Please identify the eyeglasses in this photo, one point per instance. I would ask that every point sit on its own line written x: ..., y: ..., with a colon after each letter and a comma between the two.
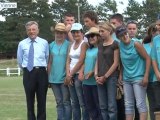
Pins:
x: 91, y: 36
x: 132, y: 21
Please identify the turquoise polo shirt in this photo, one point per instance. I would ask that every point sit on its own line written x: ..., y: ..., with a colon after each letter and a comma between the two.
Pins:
x: 133, y: 63
x: 155, y: 52
x: 58, y: 66
x: 89, y: 65
x: 148, y: 50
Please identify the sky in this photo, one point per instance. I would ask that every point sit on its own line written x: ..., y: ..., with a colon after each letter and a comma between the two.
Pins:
x: 95, y: 2
x: 120, y: 7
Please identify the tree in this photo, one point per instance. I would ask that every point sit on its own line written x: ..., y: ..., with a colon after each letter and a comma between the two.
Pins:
x: 151, y: 10
x: 134, y: 11
x: 106, y: 9
x: 144, y: 14
x: 14, y: 29
x: 60, y: 7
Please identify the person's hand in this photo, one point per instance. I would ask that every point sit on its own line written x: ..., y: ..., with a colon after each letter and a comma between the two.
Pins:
x: 100, y: 80
x: 68, y: 81
x: 144, y: 82
x: 81, y: 76
x: 88, y: 75
x: 120, y: 82
x: 158, y: 76
x: 68, y: 27
x: 49, y: 85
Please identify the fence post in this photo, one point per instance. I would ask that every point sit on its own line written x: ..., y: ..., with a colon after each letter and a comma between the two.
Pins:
x: 19, y: 71
x: 8, y: 72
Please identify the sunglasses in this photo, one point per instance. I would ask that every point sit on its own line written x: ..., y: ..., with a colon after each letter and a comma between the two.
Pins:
x: 132, y: 21
x: 91, y: 36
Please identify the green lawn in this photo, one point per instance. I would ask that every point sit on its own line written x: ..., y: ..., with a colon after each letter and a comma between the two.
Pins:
x: 8, y: 63
x: 12, y: 100
x: 12, y: 97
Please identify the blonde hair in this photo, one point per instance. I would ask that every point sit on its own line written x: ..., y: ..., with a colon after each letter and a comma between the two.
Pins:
x: 108, y: 26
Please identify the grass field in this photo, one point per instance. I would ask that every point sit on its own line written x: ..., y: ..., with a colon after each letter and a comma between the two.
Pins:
x: 8, y: 63
x: 12, y: 100
x: 12, y: 96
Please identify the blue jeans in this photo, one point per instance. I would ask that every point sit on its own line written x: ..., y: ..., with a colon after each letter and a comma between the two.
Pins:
x: 134, y: 91
x: 157, y: 95
x: 92, y: 103
x: 61, y: 93
x: 153, y: 93
x: 77, y: 98
x: 107, y: 99
x: 151, y: 99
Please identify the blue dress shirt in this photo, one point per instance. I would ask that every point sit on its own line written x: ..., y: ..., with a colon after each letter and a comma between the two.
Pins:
x: 41, y: 52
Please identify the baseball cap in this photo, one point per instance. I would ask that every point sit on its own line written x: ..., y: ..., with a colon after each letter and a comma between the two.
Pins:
x: 76, y: 26
x: 120, y: 31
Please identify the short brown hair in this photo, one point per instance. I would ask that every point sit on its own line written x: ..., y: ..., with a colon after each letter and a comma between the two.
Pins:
x: 91, y: 15
x: 117, y: 16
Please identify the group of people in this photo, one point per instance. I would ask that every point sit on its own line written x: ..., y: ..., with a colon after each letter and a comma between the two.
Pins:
x: 84, y: 69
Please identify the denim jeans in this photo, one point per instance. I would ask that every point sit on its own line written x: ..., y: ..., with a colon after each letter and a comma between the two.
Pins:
x: 134, y: 91
x: 92, y: 103
x: 157, y: 95
x: 151, y: 99
x: 77, y: 99
x: 107, y: 99
x: 61, y: 93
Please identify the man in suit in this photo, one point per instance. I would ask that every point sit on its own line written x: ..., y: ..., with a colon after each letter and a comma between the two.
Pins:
x: 32, y: 57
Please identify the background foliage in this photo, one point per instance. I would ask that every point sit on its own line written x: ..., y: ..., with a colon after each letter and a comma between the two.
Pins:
x: 12, y: 30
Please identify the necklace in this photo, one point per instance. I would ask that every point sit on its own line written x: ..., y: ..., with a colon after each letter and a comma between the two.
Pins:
x: 107, y: 43
x: 59, y: 47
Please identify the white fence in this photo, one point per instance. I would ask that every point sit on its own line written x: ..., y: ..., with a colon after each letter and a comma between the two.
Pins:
x: 12, y: 71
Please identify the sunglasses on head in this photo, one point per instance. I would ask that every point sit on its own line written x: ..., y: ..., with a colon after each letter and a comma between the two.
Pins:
x: 132, y: 21
x: 121, y: 30
x: 91, y: 35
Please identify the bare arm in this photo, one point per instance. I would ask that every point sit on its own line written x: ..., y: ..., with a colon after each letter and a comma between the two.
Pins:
x: 68, y: 62
x: 144, y: 54
x: 96, y: 68
x: 81, y: 73
x: 49, y: 63
x: 70, y: 37
x: 114, y: 65
x: 68, y: 28
x: 156, y: 70
x: 68, y: 80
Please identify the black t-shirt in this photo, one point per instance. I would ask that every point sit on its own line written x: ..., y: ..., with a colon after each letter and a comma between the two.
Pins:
x: 106, y: 58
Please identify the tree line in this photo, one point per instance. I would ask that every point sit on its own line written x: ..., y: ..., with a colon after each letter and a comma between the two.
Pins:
x: 12, y: 30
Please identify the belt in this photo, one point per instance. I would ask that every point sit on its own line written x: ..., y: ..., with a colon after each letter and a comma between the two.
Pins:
x: 36, y: 67
x: 39, y: 67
